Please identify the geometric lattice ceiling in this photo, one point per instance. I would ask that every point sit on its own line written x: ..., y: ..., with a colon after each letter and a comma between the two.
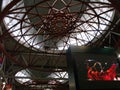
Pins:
x: 53, y: 25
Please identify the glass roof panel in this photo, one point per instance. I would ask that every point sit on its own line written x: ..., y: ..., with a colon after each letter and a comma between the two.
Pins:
x: 56, y: 24
x: 22, y: 76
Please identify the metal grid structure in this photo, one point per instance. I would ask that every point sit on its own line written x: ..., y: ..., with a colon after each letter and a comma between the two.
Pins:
x: 36, y: 34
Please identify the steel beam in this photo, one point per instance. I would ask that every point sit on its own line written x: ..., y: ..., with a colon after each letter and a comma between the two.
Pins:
x: 115, y: 4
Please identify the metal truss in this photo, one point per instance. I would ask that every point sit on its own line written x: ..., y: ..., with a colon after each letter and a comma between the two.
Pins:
x: 36, y: 35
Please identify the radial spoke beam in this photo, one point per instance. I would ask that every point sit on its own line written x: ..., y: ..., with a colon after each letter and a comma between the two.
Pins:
x: 116, y: 4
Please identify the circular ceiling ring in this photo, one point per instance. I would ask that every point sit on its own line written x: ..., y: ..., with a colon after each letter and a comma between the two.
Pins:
x: 54, y: 24
x: 29, y: 78
x: 50, y: 26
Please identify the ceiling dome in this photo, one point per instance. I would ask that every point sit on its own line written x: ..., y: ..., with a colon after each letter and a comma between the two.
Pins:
x: 53, y: 25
